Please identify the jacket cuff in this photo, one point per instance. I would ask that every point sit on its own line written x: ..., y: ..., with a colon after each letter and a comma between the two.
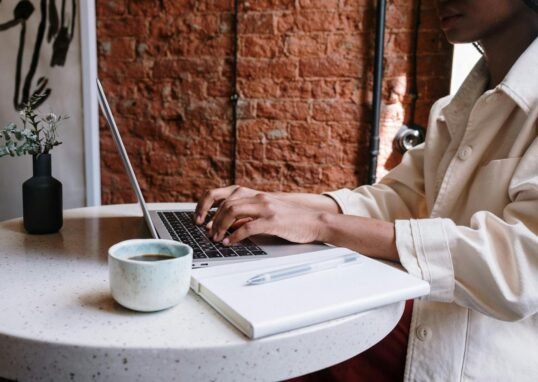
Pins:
x: 347, y: 201
x: 424, y: 252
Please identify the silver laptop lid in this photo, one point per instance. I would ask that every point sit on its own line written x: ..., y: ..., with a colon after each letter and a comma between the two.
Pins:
x: 105, y: 108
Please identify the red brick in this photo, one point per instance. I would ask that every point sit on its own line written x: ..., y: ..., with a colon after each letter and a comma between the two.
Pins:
x: 306, y: 45
x: 354, y: 4
x: 144, y: 8
x: 214, y: 5
x: 217, y: 130
x: 250, y: 150
x: 309, y: 132
x: 122, y: 27
x: 201, y: 46
x: 296, y: 89
x: 307, y: 21
x: 350, y: 151
x: 258, y: 88
x: 202, y: 24
x: 260, y: 46
x: 276, y: 69
x: 324, y: 89
x: 422, y: 114
x: 434, y: 87
x: 429, y: 19
x: 177, y: 7
x: 259, y: 172
x: 329, y: 67
x: 352, y: 22
x: 310, y: 89
x: 346, y: 45
x: 399, y: 42
x: 429, y: 65
x: 339, y: 177
x: 256, y: 23
x: 110, y: 7
x: 218, y: 87
x: 399, y: 16
x: 348, y: 90
x: 431, y: 42
x: 261, y: 129
x: 302, y: 174
x: 318, y: 4
x: 246, y: 109
x: 347, y: 131
x: 335, y: 111
x: 283, y: 110
x: 123, y: 70
x: 121, y: 49
x: 312, y: 153
x: 213, y: 108
x: 172, y: 68
x: 267, y: 5
x: 395, y: 66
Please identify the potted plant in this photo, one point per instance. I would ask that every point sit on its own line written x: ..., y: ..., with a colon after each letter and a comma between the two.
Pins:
x: 41, y: 194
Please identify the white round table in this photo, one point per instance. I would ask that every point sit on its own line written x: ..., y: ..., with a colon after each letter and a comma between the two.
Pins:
x: 58, y: 320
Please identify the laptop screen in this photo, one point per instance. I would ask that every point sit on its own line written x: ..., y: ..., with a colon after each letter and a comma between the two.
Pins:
x: 105, y: 108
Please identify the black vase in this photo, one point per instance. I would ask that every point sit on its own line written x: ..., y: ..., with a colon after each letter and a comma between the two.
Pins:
x: 42, y: 199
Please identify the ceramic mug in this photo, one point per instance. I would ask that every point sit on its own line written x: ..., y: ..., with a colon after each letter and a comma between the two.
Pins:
x: 149, y: 274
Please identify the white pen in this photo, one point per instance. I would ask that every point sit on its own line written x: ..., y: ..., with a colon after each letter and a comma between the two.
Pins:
x: 301, y: 269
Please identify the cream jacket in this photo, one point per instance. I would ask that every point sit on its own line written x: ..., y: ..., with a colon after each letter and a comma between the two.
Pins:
x: 465, y: 206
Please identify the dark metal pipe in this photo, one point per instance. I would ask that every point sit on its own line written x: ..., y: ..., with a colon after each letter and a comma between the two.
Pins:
x: 234, y: 98
x: 378, y: 80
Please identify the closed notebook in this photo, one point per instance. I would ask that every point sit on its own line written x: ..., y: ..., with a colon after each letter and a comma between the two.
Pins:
x: 278, y: 306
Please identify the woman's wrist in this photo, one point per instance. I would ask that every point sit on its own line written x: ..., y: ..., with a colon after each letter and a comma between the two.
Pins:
x: 316, y: 202
x: 371, y: 237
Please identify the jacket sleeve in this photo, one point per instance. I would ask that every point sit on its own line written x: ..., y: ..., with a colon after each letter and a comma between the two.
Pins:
x: 491, y: 265
x: 399, y: 195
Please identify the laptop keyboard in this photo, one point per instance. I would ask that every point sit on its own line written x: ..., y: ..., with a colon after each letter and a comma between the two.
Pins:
x: 181, y: 227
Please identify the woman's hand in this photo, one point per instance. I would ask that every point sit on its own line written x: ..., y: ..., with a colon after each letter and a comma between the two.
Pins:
x: 297, y: 217
x: 214, y: 198
x: 260, y: 213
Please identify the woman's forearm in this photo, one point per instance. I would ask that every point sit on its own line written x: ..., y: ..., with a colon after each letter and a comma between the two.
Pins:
x: 371, y: 237
x: 317, y: 202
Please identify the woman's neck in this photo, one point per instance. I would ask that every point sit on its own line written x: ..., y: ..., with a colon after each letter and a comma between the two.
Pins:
x: 503, y: 48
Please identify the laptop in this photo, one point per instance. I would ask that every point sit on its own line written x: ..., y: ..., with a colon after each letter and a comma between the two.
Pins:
x: 178, y: 225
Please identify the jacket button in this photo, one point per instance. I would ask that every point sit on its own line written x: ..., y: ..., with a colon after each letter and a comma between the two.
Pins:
x: 465, y: 153
x: 423, y: 333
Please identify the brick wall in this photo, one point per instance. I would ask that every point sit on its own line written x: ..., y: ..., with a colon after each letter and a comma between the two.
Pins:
x: 304, y: 80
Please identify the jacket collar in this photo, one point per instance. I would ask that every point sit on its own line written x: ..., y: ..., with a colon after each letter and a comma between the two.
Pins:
x: 521, y: 82
x: 457, y: 111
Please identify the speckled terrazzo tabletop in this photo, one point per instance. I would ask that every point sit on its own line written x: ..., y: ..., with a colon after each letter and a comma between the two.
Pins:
x: 58, y: 321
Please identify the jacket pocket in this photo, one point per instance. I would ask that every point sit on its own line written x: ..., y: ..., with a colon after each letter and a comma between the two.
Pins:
x: 488, y: 189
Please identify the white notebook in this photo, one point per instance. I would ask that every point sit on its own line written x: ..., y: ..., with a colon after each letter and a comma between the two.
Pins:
x: 278, y: 306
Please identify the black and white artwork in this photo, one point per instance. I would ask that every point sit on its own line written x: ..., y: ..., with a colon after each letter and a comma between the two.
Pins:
x: 55, y: 21
x: 41, y: 52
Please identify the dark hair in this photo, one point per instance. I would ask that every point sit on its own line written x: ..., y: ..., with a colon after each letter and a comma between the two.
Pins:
x: 532, y: 4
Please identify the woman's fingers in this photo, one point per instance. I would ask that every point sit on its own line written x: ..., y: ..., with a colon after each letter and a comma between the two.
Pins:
x: 253, y: 227
x: 238, y: 223
x: 209, y: 199
x: 231, y: 212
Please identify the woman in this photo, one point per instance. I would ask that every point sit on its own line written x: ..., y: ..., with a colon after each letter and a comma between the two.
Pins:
x: 460, y: 211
